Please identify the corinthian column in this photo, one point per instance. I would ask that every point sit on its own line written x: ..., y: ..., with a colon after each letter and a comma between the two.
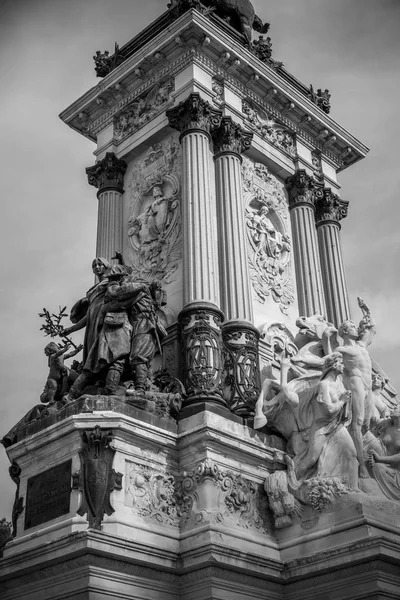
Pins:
x: 302, y: 192
x: 201, y: 317
x: 195, y: 119
x: 330, y: 209
x: 108, y: 176
x: 229, y: 141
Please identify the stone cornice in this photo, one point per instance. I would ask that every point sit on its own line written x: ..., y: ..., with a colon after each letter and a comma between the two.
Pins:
x: 231, y: 137
x: 330, y: 208
x: 231, y: 60
x: 107, y: 173
x: 194, y: 114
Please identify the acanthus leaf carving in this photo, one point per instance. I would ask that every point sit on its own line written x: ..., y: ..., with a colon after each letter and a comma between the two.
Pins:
x: 194, y: 114
x: 107, y: 173
x: 330, y: 207
x: 231, y: 137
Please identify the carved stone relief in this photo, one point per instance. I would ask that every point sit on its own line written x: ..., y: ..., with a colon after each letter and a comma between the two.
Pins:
x: 280, y: 340
x: 152, y: 494
x: 218, y: 90
x: 212, y: 495
x: 259, y: 120
x: 155, y: 220
x: 269, y: 246
x: 145, y: 108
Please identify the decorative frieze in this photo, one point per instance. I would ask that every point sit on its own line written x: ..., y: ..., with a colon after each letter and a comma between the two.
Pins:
x: 145, y: 108
x: 107, y: 173
x: 96, y: 479
x: 241, y: 367
x: 268, y: 129
x: 154, y: 224
x: 269, y: 246
x: 194, y: 114
x: 231, y: 137
x: 330, y: 208
x: 202, y: 350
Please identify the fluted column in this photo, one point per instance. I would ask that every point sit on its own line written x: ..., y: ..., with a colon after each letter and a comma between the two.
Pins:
x: 195, y: 119
x: 330, y: 209
x: 201, y: 318
x: 302, y: 194
x: 108, y: 176
x: 229, y: 141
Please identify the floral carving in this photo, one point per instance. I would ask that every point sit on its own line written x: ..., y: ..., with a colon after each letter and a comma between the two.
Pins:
x: 152, y: 494
x: 280, y: 340
x: 269, y: 246
x: 145, y: 108
x: 194, y: 113
x: 258, y: 120
x: 155, y: 220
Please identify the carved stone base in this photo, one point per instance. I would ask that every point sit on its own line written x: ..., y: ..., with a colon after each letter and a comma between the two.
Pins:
x: 182, y: 513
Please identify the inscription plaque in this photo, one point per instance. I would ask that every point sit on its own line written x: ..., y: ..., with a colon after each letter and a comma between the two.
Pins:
x: 48, y: 495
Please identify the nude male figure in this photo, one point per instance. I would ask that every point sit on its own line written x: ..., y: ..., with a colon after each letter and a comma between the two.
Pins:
x: 357, y: 373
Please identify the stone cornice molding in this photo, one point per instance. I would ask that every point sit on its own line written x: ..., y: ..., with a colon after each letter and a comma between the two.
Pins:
x: 107, y: 174
x: 194, y: 114
x: 231, y: 138
x: 301, y: 190
x: 329, y: 208
x: 257, y: 78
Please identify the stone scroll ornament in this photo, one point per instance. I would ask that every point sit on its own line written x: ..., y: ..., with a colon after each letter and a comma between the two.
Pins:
x: 202, y: 342
x: 269, y: 246
x: 154, y: 225
x: 241, y: 367
x: 96, y: 479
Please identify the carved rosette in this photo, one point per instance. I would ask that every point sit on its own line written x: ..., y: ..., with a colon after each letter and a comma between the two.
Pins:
x: 330, y: 208
x: 96, y: 479
x: 108, y: 173
x: 194, y: 114
x: 202, y: 351
x: 230, y: 137
x: 301, y: 188
x: 241, y: 366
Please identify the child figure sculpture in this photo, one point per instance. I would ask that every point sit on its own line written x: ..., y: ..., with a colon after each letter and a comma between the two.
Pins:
x: 57, y: 379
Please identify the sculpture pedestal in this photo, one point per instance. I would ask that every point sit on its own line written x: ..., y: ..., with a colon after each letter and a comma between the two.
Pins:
x: 191, y: 518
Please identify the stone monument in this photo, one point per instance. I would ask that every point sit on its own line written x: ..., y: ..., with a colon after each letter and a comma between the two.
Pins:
x: 225, y: 433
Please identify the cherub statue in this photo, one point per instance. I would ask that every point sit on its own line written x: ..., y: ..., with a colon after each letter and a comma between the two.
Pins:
x: 357, y: 374
x: 57, y: 380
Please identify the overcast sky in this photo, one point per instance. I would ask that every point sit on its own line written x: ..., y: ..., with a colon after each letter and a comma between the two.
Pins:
x: 49, y: 212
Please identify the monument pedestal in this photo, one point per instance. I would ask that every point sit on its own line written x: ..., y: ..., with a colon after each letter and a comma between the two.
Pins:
x: 189, y: 516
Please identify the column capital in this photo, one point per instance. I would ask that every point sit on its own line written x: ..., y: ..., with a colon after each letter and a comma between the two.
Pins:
x: 193, y: 114
x: 302, y: 189
x: 231, y: 137
x: 330, y: 208
x: 107, y: 173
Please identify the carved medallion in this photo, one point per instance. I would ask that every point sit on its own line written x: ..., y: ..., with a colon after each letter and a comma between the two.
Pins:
x: 155, y: 219
x: 269, y: 246
x: 143, y: 109
x: 96, y: 479
x: 259, y: 120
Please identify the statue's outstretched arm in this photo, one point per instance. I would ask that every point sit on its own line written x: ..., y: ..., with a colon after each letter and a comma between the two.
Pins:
x: 366, y: 327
